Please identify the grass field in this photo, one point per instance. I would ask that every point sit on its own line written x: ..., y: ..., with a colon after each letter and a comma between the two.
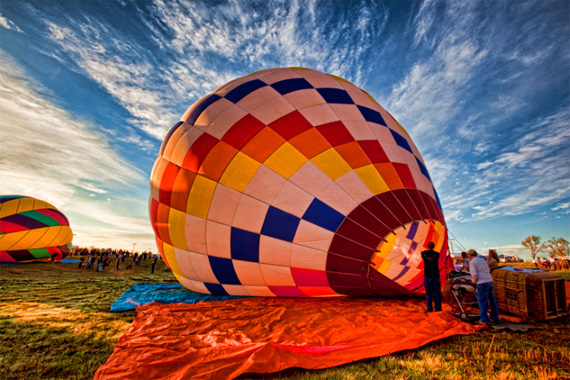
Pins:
x: 55, y: 323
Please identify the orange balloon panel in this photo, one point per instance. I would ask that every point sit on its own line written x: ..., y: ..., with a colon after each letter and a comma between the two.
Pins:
x: 290, y: 182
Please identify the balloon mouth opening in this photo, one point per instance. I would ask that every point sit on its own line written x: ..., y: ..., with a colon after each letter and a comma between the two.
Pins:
x: 398, y: 256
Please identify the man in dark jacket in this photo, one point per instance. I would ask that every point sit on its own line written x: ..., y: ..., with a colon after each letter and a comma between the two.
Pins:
x: 432, y: 282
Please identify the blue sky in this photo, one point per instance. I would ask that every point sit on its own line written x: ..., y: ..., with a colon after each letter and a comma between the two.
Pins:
x: 88, y: 90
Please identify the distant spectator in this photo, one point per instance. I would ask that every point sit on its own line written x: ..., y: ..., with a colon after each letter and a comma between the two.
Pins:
x: 543, y: 263
x: 153, y: 264
x: 552, y: 263
x: 465, y: 261
x: 493, y: 260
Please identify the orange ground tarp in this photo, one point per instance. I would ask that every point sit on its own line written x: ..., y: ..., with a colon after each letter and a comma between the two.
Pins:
x: 223, y: 339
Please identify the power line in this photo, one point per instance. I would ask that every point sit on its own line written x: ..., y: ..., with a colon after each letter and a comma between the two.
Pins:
x: 455, y: 239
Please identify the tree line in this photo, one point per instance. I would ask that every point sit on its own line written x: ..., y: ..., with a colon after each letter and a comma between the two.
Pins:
x: 557, y: 247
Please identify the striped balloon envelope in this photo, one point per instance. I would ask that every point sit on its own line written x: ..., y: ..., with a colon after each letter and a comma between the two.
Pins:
x: 290, y: 182
x: 32, y: 230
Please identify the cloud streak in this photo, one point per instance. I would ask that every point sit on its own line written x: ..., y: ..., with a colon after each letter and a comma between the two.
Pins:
x: 99, y: 224
x: 533, y: 173
x: 7, y: 24
x: 63, y: 165
x: 205, y: 45
x: 457, y: 101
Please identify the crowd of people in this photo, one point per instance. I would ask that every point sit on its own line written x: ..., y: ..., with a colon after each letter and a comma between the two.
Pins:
x: 541, y: 262
x: 98, y: 259
x: 552, y: 263
x: 492, y: 260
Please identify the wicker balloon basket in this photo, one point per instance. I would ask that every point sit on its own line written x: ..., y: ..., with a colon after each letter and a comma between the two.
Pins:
x: 539, y: 295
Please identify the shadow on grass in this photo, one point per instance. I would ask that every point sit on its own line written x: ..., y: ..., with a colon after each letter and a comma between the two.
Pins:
x: 33, y: 351
x: 55, y: 319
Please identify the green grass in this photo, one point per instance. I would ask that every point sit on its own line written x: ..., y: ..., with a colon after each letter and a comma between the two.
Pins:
x: 55, y: 323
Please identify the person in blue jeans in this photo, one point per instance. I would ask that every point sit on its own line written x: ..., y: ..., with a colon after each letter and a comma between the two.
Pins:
x: 432, y: 283
x: 481, y: 275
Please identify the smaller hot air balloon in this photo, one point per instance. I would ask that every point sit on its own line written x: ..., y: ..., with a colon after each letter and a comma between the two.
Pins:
x: 32, y: 230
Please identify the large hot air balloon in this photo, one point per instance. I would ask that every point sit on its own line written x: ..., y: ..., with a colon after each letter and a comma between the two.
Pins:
x: 32, y: 230
x: 290, y: 182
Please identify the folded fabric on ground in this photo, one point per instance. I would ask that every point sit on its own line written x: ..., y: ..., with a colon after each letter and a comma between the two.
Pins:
x: 145, y: 293
x: 223, y: 339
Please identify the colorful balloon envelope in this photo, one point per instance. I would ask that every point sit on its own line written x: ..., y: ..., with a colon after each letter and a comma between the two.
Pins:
x: 290, y: 182
x: 32, y: 230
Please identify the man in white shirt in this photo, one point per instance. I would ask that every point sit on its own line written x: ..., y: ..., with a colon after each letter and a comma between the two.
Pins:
x: 481, y: 275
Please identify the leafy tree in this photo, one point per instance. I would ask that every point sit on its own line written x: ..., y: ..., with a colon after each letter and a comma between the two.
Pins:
x: 533, y: 244
x: 558, y: 247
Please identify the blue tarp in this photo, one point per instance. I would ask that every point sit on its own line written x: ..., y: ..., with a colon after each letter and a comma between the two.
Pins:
x: 69, y: 261
x: 144, y: 293
x: 522, y: 270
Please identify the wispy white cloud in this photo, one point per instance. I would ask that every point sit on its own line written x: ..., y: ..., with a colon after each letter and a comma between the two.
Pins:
x: 535, y: 172
x: 424, y: 20
x: 122, y: 71
x: 521, y: 202
x: 7, y: 24
x: 441, y: 170
x: 59, y: 33
x: 561, y: 206
x: 91, y: 188
x: 459, y: 101
x: 507, y: 104
x: 282, y: 33
x: 432, y: 93
x: 484, y: 165
x: 58, y: 166
x: 100, y: 224
x: 69, y: 152
x: 203, y: 47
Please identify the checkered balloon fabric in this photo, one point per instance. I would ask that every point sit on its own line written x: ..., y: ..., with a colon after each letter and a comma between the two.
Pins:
x: 295, y: 183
